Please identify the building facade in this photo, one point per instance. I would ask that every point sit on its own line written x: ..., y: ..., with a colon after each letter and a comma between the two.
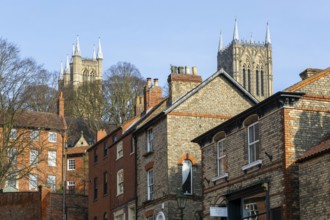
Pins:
x: 249, y: 63
x: 167, y: 162
x: 249, y: 161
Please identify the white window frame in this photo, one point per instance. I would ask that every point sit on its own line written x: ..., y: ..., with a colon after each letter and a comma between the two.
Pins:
x: 34, y: 154
x: 120, y: 151
x: 14, y: 180
x: 52, y: 137
x: 120, y: 182
x: 13, y: 134
x: 221, y: 158
x: 150, y: 139
x: 51, y: 182
x: 150, y: 184
x: 71, y: 185
x: 34, y: 135
x: 33, y: 182
x: 52, y: 158
x: 254, y: 143
x: 71, y: 164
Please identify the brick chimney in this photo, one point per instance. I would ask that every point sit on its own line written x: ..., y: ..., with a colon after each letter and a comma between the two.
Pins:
x: 60, y: 104
x: 308, y: 73
x: 152, y: 94
x: 100, y: 134
x: 180, y: 81
x: 139, y: 105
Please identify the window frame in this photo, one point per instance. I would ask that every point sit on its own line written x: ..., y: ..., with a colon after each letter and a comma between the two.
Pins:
x: 150, y: 184
x: 52, y: 183
x: 255, y: 143
x: 221, y: 158
x: 34, y: 154
x: 13, y: 134
x: 12, y: 155
x: 95, y: 189
x: 150, y: 139
x: 105, y: 183
x: 32, y: 181
x: 120, y: 182
x: 72, y: 164
x: 52, y: 160
x: 52, y: 137
x: 34, y: 135
x: 105, y: 149
x: 71, y: 187
x: 120, y: 150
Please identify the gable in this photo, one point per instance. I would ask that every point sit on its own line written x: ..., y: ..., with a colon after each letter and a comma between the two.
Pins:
x: 219, y: 97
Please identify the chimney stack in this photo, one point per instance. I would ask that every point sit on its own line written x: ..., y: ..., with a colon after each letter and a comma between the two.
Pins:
x: 155, y: 82
x: 308, y: 73
x: 152, y: 94
x: 60, y: 105
x: 139, y: 105
x: 180, y: 84
x: 100, y: 134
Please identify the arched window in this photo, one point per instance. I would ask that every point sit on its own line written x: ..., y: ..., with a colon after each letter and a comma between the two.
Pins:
x: 249, y: 79
x: 187, y: 177
x: 105, y: 216
x: 85, y: 75
x: 244, y: 77
x: 262, y: 81
x: 257, y: 80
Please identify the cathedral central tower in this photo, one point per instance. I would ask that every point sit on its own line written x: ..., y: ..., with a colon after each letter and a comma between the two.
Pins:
x: 249, y: 63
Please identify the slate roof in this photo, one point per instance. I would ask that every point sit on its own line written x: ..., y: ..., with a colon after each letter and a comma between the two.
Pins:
x: 322, y: 148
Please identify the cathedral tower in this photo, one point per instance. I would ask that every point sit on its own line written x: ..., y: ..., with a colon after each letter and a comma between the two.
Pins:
x: 249, y: 63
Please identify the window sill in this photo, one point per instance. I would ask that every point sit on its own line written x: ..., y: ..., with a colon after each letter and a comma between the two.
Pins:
x: 148, y: 153
x: 214, y: 179
x: 250, y: 165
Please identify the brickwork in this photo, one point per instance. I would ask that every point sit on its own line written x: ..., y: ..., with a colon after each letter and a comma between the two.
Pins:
x: 314, y: 188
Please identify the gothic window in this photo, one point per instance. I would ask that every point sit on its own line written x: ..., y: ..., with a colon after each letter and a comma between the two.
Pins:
x: 187, y: 177
x: 85, y: 75
x: 257, y: 81
x: 262, y: 81
x: 244, y: 77
x: 249, y: 79
x: 92, y: 76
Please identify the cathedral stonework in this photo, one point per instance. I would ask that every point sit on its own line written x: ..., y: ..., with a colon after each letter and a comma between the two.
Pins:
x: 249, y: 63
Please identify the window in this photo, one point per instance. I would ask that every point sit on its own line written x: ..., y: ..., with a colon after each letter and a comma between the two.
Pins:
x: 253, y: 142
x: 114, y: 139
x: 187, y: 177
x: 244, y: 77
x: 133, y: 145
x: 249, y: 79
x: 12, y: 181
x: 120, y: 182
x: 131, y: 212
x: 120, y: 217
x: 52, y: 137
x: 95, y: 187
x: 13, y: 134
x: 34, y: 157
x: 105, y: 149
x: 33, y: 182
x: 95, y: 155
x: 105, y: 216
x: 257, y: 81
x: 34, y: 135
x: 105, y: 183
x: 51, y: 181
x: 52, y: 158
x: 150, y: 138
x: 262, y: 82
x: 120, y: 150
x: 71, y: 164
x: 71, y: 187
x: 150, y: 181
x: 12, y: 156
x: 221, y: 158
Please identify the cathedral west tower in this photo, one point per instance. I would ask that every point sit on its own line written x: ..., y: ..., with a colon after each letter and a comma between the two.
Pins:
x: 249, y: 63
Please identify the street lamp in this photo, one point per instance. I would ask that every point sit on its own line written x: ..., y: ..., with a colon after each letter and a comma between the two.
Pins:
x: 181, y: 200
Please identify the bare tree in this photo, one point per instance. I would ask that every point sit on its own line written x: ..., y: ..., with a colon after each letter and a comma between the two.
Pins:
x: 16, y: 75
x: 122, y: 84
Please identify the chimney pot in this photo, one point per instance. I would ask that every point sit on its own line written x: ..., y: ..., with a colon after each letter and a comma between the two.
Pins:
x: 148, y: 82
x: 181, y: 70
x: 187, y: 70
x: 194, y: 70
x: 155, y: 82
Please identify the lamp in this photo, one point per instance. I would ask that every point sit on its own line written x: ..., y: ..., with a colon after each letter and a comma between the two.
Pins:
x: 181, y: 200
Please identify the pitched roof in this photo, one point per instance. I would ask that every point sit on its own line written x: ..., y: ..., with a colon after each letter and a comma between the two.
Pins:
x: 76, y: 150
x: 322, y: 148
x: 40, y: 120
x: 308, y: 81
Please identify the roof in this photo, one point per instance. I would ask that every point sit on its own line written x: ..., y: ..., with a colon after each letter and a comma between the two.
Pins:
x: 162, y: 109
x: 76, y: 150
x: 40, y: 120
x: 320, y: 149
x: 308, y: 81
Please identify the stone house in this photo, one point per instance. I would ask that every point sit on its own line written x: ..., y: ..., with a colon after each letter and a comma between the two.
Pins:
x: 314, y: 185
x: 249, y: 162
x: 35, y: 142
x: 167, y: 161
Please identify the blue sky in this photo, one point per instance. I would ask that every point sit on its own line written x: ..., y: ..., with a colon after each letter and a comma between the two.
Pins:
x: 154, y: 34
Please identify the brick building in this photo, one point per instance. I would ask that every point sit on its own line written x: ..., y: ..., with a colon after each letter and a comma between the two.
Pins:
x: 167, y: 161
x: 249, y: 161
x: 35, y: 142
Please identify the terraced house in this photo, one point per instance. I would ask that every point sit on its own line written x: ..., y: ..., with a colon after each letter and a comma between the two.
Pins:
x: 250, y: 168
